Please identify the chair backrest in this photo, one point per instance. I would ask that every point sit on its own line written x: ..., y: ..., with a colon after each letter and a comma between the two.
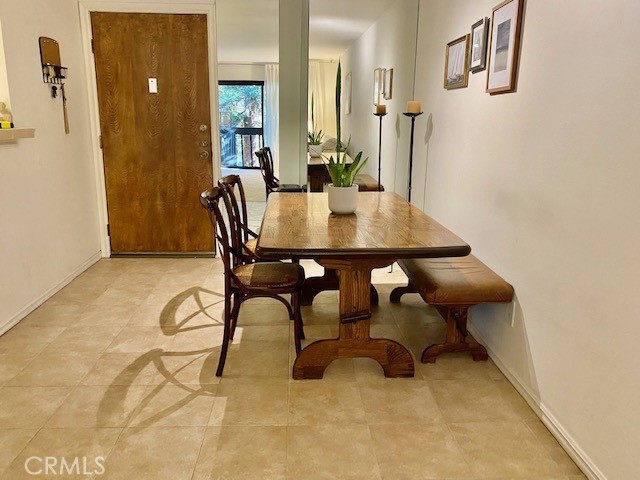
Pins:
x: 266, y: 168
x: 233, y: 184
x: 226, y: 230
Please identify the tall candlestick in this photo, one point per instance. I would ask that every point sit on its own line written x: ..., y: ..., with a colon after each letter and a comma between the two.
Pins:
x: 413, y: 116
x: 380, y: 114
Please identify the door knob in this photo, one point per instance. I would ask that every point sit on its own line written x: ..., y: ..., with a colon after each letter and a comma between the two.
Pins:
x: 204, y: 154
x: 203, y: 128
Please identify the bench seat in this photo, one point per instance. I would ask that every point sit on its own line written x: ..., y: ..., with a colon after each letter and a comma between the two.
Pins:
x: 366, y: 183
x: 452, y: 286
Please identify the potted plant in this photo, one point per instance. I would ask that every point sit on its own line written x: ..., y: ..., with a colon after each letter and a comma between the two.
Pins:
x: 315, y: 137
x: 343, y: 194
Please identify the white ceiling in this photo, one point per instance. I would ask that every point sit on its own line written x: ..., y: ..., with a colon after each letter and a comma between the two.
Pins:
x: 248, y: 29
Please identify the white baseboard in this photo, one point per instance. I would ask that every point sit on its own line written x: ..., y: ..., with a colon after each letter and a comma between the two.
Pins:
x: 13, y: 321
x: 567, y: 442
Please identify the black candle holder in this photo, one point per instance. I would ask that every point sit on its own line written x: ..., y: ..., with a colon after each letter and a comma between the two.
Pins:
x: 413, y: 123
x: 379, y: 115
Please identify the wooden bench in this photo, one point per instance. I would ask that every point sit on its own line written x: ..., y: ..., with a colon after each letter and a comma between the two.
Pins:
x: 452, y: 286
x: 366, y: 183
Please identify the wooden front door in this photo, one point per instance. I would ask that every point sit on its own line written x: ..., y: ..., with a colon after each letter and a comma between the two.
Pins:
x: 156, y: 146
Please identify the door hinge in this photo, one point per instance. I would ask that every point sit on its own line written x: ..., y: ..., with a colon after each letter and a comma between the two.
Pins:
x: 108, y: 230
x: 100, y: 137
x: 92, y: 46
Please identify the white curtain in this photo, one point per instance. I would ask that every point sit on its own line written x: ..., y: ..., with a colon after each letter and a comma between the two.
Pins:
x: 316, y: 89
x: 271, y: 100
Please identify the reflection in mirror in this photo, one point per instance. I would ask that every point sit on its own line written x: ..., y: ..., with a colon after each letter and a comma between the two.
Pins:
x: 364, y: 35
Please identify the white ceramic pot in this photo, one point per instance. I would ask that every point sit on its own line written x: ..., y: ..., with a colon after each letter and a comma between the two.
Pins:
x: 315, y: 150
x: 343, y: 200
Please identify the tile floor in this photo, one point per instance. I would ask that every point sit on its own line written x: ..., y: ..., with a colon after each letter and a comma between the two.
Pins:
x: 120, y: 364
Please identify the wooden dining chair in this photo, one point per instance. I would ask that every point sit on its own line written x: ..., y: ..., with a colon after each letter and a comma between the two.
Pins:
x: 238, y: 200
x: 243, y: 279
x: 271, y: 182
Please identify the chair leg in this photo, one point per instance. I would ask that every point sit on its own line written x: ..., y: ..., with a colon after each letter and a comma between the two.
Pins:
x: 298, y: 332
x: 226, y: 337
x: 237, y: 300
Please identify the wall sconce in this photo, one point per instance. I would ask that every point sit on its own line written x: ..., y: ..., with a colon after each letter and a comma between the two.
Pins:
x: 53, y: 72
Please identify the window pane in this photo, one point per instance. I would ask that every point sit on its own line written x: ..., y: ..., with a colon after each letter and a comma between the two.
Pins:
x: 240, y: 106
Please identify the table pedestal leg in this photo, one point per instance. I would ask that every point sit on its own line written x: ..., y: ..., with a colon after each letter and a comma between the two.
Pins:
x: 354, y: 338
x: 329, y: 281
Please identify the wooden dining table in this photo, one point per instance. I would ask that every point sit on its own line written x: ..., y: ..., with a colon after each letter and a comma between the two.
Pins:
x: 383, y: 229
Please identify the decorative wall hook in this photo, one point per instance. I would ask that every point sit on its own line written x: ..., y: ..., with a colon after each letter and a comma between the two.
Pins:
x: 53, y: 72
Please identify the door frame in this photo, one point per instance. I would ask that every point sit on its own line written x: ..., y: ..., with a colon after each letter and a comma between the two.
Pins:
x: 85, y: 7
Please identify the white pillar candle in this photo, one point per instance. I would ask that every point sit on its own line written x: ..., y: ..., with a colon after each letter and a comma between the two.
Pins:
x: 414, y: 107
x: 381, y: 108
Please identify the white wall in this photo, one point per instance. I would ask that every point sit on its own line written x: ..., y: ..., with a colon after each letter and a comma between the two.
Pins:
x: 232, y: 71
x: 48, y: 203
x: 328, y: 71
x: 4, y: 83
x: 543, y: 184
x: 389, y: 43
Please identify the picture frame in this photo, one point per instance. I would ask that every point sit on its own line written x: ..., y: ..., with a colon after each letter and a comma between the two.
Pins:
x: 456, y: 66
x: 504, y: 50
x: 377, y: 85
x: 347, y: 94
x: 479, y: 42
x: 387, y: 86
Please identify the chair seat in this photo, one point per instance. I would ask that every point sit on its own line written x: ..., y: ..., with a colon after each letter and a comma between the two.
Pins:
x: 270, y: 275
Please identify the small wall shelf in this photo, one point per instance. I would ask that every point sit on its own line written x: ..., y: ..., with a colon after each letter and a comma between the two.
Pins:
x: 12, y: 134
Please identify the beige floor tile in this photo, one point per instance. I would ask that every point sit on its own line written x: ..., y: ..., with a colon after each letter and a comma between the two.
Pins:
x: 125, y: 369
x: 81, y: 291
x: 455, y: 366
x: 25, y: 340
x: 53, y: 314
x: 244, y: 361
x: 55, y: 368
x: 174, y: 406
x: 515, y: 400
x: 418, y: 451
x: 189, y: 368
x: 134, y: 339
x: 331, y: 452
x: 124, y: 294
x: 85, y: 338
x: 315, y: 402
x: 263, y: 335
x: 243, y: 453
x: 398, y: 400
x: 11, y: 365
x: 472, y: 400
x: 553, y: 448
x: 260, y: 401
x: 90, y: 446
x: 98, y: 407
x: 200, y: 339
x: 154, y: 454
x: 29, y: 407
x: 12, y: 441
x: 181, y: 309
x: 321, y: 314
x: 263, y: 312
x: 105, y: 315
x: 503, y: 449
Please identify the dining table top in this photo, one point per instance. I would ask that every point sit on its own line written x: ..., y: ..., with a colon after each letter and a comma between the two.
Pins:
x: 384, y: 225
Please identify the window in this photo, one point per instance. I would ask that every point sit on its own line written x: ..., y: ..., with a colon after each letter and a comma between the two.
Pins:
x: 241, y: 122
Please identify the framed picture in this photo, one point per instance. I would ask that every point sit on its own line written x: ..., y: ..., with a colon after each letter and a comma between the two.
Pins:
x: 387, y: 88
x: 377, y: 85
x: 479, y: 42
x: 506, y: 26
x: 456, y: 67
x: 347, y: 94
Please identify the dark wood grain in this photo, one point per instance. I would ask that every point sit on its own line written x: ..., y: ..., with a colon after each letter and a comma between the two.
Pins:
x: 153, y: 169
x: 384, y: 225
x: 383, y: 229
